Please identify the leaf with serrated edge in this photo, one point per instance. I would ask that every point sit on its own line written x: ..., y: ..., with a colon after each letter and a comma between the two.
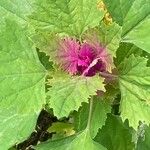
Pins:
x: 68, y: 92
x: 108, y: 36
x: 99, y: 115
x: 115, y: 135
x: 135, y: 89
x: 71, y: 17
x: 22, y: 90
x: 47, y: 43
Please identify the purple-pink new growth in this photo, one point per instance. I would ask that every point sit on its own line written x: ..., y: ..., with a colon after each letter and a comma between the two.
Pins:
x: 85, y: 58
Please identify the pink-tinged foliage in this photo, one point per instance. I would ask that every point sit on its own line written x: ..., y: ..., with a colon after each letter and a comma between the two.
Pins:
x: 67, y: 55
x: 85, y: 58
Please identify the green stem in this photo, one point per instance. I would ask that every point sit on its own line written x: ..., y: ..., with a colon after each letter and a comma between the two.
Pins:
x: 90, y: 113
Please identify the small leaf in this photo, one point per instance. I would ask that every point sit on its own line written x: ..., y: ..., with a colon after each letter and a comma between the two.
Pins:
x: 115, y: 135
x: 68, y: 92
x: 135, y: 90
x: 61, y: 127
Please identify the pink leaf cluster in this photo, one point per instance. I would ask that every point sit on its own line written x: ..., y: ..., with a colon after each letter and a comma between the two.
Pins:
x: 87, y: 58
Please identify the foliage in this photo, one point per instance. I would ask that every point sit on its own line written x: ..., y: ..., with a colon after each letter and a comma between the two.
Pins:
x: 86, y: 62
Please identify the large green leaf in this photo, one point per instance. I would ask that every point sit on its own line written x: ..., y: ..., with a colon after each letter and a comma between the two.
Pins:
x: 19, y: 8
x: 99, y: 115
x: 118, y: 9
x: 139, y: 35
x: 21, y: 85
x: 134, y: 16
x: 71, y: 17
x: 81, y: 141
x: 68, y: 92
x: 143, y: 141
x: 134, y: 82
x: 115, y: 135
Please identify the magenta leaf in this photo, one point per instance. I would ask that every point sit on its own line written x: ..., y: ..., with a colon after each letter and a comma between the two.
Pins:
x: 86, y: 58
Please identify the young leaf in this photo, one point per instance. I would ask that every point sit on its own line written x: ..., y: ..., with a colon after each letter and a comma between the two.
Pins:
x: 108, y: 36
x: 46, y: 42
x: 99, y: 115
x: 67, y: 93
x: 134, y: 16
x: 71, y: 17
x: 80, y: 141
x: 61, y: 128
x: 22, y: 90
x: 135, y: 89
x: 115, y: 135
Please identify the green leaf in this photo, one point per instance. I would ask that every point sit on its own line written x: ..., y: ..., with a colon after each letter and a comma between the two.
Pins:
x: 46, y: 42
x: 99, y: 115
x: 135, y: 110
x: 118, y: 9
x: 68, y: 92
x: 143, y: 141
x: 110, y: 36
x: 15, y: 8
x: 134, y: 16
x: 115, y: 135
x: 61, y: 127
x: 139, y: 35
x: 71, y: 17
x: 135, y: 90
x: 80, y: 141
x: 22, y: 90
x: 45, y: 61
x: 125, y: 50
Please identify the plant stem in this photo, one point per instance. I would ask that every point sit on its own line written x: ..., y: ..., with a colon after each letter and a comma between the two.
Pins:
x: 90, y: 113
x: 108, y: 75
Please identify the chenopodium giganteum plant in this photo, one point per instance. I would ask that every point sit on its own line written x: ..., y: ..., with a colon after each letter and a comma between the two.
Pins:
x: 85, y: 62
